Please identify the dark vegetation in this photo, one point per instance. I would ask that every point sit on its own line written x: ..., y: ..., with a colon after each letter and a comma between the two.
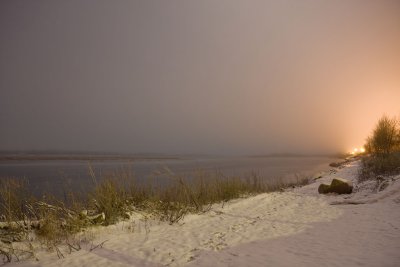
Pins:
x: 54, y: 222
x: 383, y: 149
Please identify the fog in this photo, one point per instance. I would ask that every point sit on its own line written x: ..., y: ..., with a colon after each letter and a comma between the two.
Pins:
x: 215, y: 77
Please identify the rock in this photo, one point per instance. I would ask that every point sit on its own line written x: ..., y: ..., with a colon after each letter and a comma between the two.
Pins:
x: 338, y: 186
x: 339, y: 164
x: 341, y: 186
x: 323, y: 188
x: 334, y: 164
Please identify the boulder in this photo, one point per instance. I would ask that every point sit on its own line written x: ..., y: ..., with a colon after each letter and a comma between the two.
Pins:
x: 334, y: 164
x: 323, y: 188
x: 338, y: 186
x: 341, y: 186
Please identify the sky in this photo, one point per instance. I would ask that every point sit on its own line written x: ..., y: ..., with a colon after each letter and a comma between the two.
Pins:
x: 213, y: 77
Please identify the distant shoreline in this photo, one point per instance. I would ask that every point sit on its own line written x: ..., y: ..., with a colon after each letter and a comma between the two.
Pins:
x: 127, y: 157
x: 294, y: 155
x: 71, y: 157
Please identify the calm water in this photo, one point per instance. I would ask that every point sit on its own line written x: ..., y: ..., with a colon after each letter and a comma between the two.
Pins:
x: 54, y: 176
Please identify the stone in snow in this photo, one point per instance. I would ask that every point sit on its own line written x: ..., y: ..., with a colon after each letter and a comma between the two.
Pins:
x: 338, y: 186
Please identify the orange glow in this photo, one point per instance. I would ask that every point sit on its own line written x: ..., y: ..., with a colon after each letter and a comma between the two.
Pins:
x: 357, y: 151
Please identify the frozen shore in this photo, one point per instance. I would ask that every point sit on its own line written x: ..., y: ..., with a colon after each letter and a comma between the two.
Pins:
x: 297, y: 227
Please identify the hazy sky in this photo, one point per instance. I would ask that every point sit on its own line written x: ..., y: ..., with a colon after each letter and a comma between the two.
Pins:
x: 196, y: 76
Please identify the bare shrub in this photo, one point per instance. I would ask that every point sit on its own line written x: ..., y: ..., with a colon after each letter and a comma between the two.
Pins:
x: 384, y: 149
x: 384, y: 139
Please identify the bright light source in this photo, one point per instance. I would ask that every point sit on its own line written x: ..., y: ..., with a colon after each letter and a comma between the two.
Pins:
x: 357, y: 151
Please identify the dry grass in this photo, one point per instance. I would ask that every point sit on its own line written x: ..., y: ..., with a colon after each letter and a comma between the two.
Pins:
x: 53, y: 222
x: 374, y: 166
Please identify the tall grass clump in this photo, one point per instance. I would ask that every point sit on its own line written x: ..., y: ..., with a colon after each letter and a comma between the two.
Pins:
x: 13, y: 199
x: 383, y: 147
x: 13, y: 219
x: 196, y: 192
x: 110, y: 198
x: 24, y: 217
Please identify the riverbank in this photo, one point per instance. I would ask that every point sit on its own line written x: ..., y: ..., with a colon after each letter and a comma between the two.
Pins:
x: 294, y: 227
x: 366, y: 231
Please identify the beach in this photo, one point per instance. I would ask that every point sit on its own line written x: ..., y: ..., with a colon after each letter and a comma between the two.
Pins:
x: 295, y: 227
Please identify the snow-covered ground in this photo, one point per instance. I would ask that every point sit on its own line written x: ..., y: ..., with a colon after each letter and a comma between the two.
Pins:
x: 297, y: 227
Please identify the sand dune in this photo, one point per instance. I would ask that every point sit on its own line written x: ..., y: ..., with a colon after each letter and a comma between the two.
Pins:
x: 298, y: 227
